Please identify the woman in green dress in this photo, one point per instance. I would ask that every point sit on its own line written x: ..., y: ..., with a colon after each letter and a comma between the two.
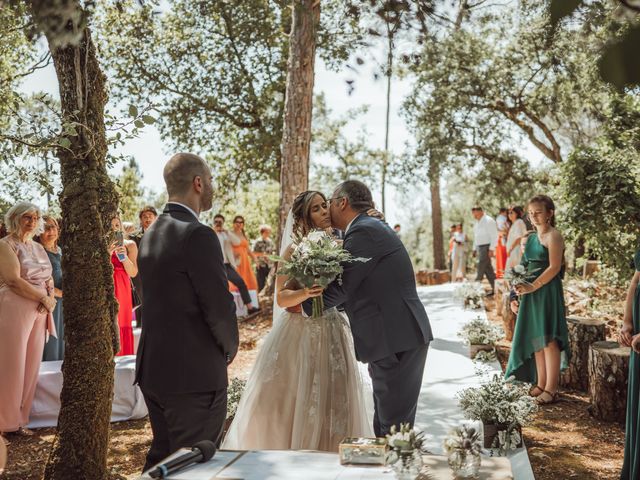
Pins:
x: 630, y: 337
x: 540, y: 347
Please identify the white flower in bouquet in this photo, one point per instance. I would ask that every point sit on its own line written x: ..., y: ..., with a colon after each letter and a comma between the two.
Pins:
x: 519, y: 275
x: 480, y: 332
x: 317, y: 259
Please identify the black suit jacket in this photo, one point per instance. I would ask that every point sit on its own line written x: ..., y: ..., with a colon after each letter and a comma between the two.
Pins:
x: 190, y: 331
x: 379, y: 296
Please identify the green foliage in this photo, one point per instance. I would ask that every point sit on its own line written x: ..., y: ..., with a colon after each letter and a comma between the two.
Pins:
x: 600, y: 194
x: 130, y: 192
x: 618, y: 64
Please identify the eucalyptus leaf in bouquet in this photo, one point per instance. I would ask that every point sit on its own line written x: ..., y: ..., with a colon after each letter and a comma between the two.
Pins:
x: 317, y: 259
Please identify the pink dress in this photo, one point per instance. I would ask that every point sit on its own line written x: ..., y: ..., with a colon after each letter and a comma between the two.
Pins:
x: 22, y: 336
x: 122, y: 287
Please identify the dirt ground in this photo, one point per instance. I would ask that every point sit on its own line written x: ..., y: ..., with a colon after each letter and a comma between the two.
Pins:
x: 564, y: 441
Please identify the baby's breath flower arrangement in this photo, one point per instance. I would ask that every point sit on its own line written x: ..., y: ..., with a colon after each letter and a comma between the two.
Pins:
x: 471, y: 294
x: 480, y: 332
x: 316, y: 260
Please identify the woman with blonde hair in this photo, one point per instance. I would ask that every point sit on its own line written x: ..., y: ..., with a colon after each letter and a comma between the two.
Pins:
x: 26, y: 301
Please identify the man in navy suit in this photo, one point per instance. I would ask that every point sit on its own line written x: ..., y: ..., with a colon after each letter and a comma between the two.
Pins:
x: 391, y: 331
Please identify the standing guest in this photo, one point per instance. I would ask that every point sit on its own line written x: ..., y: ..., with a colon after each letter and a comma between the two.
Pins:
x: 147, y: 216
x: 630, y: 337
x: 540, y: 347
x: 502, y: 223
x: 262, y: 249
x: 397, y: 228
x: 26, y: 302
x: 517, y: 231
x: 459, y: 254
x: 124, y: 255
x: 54, y: 348
x: 452, y: 231
x: 227, y: 241
x: 190, y: 331
x: 485, y: 239
x: 244, y: 255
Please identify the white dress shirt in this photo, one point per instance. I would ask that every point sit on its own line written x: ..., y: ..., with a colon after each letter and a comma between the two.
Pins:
x: 485, y: 232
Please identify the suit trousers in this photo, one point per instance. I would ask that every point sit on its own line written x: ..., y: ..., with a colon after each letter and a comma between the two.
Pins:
x: 179, y: 420
x: 235, y: 278
x: 262, y: 273
x: 396, y: 381
x: 484, y: 265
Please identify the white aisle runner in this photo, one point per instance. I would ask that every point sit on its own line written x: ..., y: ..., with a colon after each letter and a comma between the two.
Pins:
x: 449, y: 369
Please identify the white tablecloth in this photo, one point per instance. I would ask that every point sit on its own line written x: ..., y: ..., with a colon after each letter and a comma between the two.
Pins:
x: 128, y: 403
x: 296, y: 465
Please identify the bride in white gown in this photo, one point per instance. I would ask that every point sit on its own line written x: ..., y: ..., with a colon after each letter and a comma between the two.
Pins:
x: 305, y: 390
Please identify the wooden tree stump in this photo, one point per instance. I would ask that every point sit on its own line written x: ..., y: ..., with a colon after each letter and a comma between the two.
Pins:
x: 583, y: 332
x: 590, y: 267
x: 501, y: 286
x: 443, y: 276
x: 508, y: 317
x: 608, y: 371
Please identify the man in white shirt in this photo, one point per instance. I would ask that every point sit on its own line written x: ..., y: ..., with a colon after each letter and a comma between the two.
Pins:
x: 227, y: 239
x: 485, y: 239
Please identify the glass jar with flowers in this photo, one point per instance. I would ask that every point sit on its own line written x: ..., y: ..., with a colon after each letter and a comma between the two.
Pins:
x: 463, y: 447
x: 405, y: 456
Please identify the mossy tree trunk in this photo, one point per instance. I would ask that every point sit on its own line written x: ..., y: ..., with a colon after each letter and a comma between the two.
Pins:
x: 88, y: 201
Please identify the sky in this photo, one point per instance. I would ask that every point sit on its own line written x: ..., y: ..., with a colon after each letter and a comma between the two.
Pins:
x: 151, y: 152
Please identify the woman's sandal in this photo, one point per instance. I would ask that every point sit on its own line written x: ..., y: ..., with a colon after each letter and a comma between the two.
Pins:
x: 553, y: 398
x: 536, y: 391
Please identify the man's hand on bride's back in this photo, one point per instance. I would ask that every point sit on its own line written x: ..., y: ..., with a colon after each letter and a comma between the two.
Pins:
x: 314, y: 291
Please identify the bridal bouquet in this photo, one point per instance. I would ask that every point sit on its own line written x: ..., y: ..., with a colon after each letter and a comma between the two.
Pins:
x: 316, y: 260
x: 518, y: 275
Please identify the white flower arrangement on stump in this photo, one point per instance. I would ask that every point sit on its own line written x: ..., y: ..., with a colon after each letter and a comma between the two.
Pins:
x: 471, y: 295
x: 503, y: 407
x: 480, y: 332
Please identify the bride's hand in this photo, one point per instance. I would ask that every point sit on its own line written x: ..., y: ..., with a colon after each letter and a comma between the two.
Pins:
x: 313, y: 292
x: 372, y: 212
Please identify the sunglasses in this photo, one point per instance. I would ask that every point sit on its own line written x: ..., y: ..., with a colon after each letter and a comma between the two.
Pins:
x: 239, y: 222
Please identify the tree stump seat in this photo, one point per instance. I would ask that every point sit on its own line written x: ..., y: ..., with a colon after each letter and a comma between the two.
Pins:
x: 608, y: 372
x: 583, y: 332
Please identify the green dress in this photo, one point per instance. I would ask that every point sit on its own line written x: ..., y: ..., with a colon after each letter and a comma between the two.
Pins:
x: 541, y: 317
x: 631, y: 465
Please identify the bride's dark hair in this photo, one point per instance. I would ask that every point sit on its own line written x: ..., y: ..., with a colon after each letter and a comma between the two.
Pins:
x: 301, y: 211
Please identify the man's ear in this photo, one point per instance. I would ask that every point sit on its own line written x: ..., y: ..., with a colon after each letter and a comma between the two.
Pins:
x: 197, y: 183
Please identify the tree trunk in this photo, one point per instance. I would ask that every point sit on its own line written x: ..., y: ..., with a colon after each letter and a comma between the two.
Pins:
x: 508, y: 317
x: 608, y: 371
x: 583, y: 332
x: 385, y: 159
x: 88, y: 201
x: 296, y: 132
x: 439, y: 262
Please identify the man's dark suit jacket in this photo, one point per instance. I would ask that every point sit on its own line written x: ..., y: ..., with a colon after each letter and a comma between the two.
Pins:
x: 190, y: 331
x: 379, y: 296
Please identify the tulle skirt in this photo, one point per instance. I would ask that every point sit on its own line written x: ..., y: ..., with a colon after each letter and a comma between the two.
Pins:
x: 305, y: 391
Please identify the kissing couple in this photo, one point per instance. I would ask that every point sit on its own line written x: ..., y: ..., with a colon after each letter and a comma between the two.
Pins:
x: 305, y: 391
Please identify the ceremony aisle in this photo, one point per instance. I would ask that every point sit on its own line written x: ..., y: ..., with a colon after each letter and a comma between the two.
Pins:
x: 449, y: 370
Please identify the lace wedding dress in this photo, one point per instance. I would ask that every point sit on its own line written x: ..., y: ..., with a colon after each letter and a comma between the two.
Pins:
x: 305, y: 390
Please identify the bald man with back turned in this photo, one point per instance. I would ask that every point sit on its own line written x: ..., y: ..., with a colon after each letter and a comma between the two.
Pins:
x: 190, y: 331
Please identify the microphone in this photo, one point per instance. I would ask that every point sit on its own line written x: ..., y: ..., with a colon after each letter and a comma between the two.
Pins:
x: 201, y: 452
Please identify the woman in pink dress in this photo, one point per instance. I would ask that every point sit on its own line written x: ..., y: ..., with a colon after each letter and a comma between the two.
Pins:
x: 124, y: 255
x: 26, y: 302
